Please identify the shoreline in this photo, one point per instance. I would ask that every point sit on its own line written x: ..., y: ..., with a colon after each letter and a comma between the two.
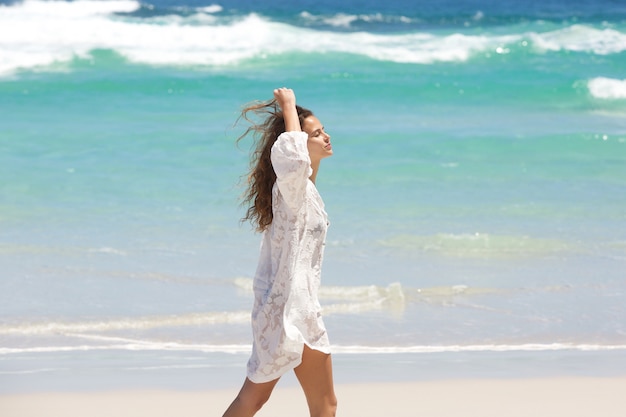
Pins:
x: 562, y: 396
x: 107, y: 371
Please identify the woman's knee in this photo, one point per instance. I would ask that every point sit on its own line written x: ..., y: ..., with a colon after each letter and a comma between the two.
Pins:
x: 254, y: 399
x: 325, y: 408
x: 253, y: 396
x: 332, y: 406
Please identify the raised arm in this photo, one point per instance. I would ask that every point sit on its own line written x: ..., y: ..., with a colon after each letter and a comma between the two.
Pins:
x: 286, y: 99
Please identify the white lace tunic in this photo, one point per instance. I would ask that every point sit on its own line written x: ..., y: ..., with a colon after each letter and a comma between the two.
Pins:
x: 286, y: 313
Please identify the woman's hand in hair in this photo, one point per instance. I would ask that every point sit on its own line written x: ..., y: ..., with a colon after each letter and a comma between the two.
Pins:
x: 286, y: 99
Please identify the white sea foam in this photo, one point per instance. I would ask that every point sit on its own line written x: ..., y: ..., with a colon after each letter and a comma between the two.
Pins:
x: 64, y: 9
x: 32, y: 371
x: 344, y: 20
x: 108, y: 250
x: 479, y: 245
x: 338, y: 20
x: 393, y: 301
x: 139, y: 346
x: 534, y: 347
x: 356, y: 299
x: 136, y: 323
x: 48, y: 33
x: 336, y: 300
x: 607, y: 88
x: 147, y: 345
x: 213, y: 8
x: 393, y: 298
x: 581, y: 38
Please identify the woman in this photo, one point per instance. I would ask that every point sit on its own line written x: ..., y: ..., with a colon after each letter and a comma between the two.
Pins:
x: 288, y: 331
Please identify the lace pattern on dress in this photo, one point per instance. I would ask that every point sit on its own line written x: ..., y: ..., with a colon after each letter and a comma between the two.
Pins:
x: 287, y: 313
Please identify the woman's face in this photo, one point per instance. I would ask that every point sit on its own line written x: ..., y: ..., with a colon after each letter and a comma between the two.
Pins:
x: 319, y: 141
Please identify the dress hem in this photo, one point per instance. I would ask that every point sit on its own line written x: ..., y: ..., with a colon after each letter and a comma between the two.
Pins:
x: 277, y: 375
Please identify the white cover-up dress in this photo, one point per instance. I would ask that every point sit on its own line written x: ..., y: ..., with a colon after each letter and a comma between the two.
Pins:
x: 287, y: 313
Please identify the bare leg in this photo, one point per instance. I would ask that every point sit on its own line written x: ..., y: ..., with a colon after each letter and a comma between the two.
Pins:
x: 250, y: 399
x: 315, y: 374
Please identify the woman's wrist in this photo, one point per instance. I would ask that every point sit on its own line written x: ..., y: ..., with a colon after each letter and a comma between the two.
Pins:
x: 286, y: 99
x: 292, y: 122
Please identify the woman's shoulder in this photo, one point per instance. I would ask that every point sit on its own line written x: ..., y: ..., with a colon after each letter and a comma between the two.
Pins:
x: 290, y: 146
x: 287, y: 140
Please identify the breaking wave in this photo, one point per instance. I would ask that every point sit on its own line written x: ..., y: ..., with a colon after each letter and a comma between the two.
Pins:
x: 50, y: 34
x: 607, y: 88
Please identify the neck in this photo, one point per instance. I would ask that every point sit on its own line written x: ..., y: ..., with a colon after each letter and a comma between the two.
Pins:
x: 315, y: 166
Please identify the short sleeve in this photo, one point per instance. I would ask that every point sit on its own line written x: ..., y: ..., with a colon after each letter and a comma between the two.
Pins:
x: 292, y: 165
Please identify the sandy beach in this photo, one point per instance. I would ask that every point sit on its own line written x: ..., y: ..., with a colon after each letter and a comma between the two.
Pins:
x: 571, y: 397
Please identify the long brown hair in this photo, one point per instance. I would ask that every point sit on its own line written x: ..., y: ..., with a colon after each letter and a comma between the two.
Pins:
x: 261, y: 176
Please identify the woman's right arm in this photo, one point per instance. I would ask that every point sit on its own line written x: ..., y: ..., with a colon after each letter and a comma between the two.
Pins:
x: 290, y: 156
x: 287, y: 101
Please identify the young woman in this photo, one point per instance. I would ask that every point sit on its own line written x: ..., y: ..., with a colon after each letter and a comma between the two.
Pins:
x: 288, y: 331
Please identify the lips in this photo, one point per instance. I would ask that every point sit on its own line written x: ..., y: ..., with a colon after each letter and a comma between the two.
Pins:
x: 328, y: 147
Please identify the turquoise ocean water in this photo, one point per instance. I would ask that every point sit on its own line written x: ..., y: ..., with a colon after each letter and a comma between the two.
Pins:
x: 477, y: 195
